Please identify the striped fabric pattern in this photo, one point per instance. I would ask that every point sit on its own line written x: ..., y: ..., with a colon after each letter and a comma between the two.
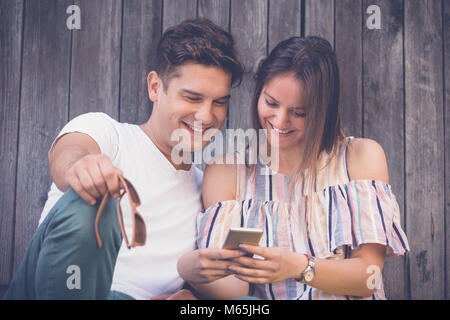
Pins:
x: 337, y: 217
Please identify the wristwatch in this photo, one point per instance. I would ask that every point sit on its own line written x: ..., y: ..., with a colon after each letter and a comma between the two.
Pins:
x: 308, y: 274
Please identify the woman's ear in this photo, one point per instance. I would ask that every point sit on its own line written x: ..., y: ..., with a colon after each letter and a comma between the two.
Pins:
x: 154, y: 84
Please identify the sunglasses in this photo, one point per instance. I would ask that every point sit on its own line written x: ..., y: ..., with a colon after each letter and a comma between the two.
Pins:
x: 139, y: 231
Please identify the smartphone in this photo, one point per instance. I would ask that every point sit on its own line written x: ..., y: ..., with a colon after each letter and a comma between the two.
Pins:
x: 237, y: 236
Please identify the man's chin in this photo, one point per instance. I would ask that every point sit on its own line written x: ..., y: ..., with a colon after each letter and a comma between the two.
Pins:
x: 198, y: 147
x: 186, y: 150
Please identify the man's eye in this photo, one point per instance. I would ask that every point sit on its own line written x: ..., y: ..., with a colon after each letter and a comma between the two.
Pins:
x: 192, y: 99
x: 221, y: 102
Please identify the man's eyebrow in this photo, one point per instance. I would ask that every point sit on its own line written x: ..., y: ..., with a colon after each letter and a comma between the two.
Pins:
x: 228, y: 96
x: 191, y: 92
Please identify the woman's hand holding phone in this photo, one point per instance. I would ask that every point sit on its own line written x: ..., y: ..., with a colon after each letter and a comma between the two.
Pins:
x: 277, y: 264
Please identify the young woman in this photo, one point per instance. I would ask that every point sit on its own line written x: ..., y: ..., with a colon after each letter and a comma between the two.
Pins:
x: 328, y: 212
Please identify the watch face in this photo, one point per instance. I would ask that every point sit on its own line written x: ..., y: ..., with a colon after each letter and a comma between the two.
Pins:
x: 309, y: 276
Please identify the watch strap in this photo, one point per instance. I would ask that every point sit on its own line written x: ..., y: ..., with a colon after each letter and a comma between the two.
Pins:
x: 309, y: 267
x: 308, y: 259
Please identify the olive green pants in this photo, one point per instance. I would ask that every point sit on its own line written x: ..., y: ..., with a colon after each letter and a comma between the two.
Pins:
x: 63, y: 260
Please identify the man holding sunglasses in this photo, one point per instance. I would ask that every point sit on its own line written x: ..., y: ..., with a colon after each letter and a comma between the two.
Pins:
x: 77, y: 251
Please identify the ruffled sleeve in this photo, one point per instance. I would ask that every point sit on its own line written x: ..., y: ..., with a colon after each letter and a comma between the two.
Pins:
x: 215, y: 221
x: 363, y: 211
x: 280, y: 229
x: 351, y: 214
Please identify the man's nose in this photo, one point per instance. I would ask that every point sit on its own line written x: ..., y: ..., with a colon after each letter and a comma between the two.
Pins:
x: 205, y: 113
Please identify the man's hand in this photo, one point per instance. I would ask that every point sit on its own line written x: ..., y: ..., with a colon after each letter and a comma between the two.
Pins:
x: 206, y: 265
x: 183, y: 294
x: 92, y: 176
x: 77, y: 162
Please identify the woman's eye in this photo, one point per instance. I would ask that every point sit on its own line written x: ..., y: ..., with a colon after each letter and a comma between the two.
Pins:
x: 271, y: 104
x: 300, y: 114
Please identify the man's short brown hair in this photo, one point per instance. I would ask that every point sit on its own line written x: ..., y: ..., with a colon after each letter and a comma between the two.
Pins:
x: 197, y: 40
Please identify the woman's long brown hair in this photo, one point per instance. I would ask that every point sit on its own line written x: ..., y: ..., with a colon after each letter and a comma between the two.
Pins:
x: 314, y: 63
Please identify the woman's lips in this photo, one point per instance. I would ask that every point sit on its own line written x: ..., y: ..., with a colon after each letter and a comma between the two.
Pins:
x: 280, y: 132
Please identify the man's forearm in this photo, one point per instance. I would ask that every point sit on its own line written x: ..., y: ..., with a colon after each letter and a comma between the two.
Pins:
x: 61, y: 160
x: 223, y: 289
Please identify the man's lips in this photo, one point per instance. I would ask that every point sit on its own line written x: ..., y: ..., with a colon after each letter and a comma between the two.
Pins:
x: 196, y: 130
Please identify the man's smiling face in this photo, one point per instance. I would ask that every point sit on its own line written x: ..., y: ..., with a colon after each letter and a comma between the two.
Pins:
x: 194, y: 94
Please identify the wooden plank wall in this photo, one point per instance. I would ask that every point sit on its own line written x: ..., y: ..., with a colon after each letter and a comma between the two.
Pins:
x: 382, y: 76
x: 424, y: 146
x: 395, y: 88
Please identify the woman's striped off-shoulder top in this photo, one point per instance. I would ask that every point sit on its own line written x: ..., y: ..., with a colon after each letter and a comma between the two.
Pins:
x: 326, y: 218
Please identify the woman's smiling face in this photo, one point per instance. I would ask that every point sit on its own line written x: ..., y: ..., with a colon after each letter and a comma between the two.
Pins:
x: 282, y: 111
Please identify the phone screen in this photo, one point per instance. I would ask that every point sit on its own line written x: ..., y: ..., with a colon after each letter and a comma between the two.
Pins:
x: 237, y: 236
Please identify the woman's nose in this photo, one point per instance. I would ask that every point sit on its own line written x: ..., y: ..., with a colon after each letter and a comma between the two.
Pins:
x: 281, y: 119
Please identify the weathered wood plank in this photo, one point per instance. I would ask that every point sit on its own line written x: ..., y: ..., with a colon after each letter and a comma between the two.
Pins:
x: 43, y: 109
x: 285, y: 20
x: 176, y: 11
x: 95, y: 70
x: 218, y: 11
x: 446, y: 53
x: 140, y: 36
x: 424, y: 147
x: 383, y: 112
x: 349, y: 54
x: 10, y: 58
x: 319, y: 19
x: 249, y: 27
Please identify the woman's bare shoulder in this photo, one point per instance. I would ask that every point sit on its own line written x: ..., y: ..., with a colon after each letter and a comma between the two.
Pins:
x: 219, y: 180
x: 366, y: 160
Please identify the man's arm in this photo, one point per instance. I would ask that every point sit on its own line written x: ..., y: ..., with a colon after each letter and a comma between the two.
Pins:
x: 76, y: 162
x: 206, y: 269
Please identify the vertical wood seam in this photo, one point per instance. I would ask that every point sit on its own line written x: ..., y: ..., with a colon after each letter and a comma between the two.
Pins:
x: 362, y: 68
x: 119, y: 104
x: 334, y: 25
x: 302, y: 18
x: 13, y: 242
x: 227, y: 120
x: 444, y: 92
x: 405, y: 200
x: 267, y: 27
x: 70, y: 73
x: 162, y: 17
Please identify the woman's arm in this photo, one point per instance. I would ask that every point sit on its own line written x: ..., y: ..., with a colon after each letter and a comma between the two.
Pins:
x: 353, y: 276
x: 207, y: 269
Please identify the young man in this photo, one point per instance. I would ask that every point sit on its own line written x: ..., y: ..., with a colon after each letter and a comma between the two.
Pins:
x: 190, y: 89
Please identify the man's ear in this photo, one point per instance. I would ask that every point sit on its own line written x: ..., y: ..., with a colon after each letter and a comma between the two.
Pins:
x: 154, y: 85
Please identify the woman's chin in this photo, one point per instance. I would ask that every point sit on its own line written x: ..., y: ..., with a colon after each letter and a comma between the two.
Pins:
x: 283, y: 145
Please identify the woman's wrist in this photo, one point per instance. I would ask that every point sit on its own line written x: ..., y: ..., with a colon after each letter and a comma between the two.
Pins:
x: 300, y: 264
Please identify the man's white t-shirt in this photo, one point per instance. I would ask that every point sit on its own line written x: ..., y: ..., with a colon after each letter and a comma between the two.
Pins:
x: 170, y: 201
